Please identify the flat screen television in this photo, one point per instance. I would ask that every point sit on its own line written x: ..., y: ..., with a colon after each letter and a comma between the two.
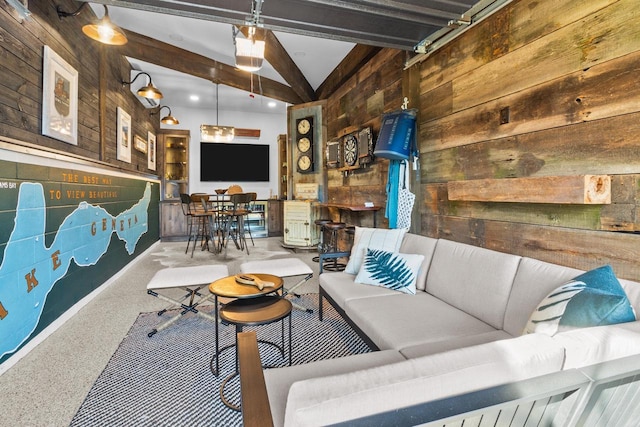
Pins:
x: 234, y: 162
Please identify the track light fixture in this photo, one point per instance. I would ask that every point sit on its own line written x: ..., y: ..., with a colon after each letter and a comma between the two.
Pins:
x: 168, y: 119
x: 148, y: 91
x: 102, y: 30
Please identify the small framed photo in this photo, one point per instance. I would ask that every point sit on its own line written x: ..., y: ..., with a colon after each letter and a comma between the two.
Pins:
x: 151, y: 151
x: 123, y: 151
x: 140, y: 144
x: 59, y: 98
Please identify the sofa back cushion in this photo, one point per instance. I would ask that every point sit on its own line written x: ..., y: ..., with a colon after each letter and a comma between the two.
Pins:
x: 534, y: 280
x: 422, y: 245
x: 338, y: 398
x: 473, y: 279
x: 372, y: 238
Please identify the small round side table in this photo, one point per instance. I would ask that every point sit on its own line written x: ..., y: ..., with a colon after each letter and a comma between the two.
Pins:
x: 254, y: 312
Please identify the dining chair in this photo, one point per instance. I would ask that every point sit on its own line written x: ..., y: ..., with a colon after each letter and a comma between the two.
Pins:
x: 201, y: 221
x: 185, y: 202
x: 250, y: 207
x: 235, y: 219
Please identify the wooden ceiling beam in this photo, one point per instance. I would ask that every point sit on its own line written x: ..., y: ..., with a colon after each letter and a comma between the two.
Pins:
x: 347, y: 68
x: 280, y: 60
x: 165, y: 55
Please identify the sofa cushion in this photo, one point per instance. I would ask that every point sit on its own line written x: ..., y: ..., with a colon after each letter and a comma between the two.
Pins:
x: 533, y: 281
x: 593, y: 298
x: 473, y: 279
x: 336, y: 398
x: 423, y: 245
x: 396, y: 271
x: 632, y: 289
x: 279, y: 380
x: 373, y: 238
x: 341, y: 288
x: 447, y: 344
x: 588, y: 346
x: 399, y: 320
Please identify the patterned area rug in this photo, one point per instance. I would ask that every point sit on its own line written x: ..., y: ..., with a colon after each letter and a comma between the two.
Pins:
x: 166, y: 380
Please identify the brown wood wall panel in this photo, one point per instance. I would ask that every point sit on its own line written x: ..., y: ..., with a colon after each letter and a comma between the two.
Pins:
x: 528, y: 20
x: 568, y: 73
x: 21, y: 56
x: 556, y: 245
x: 600, y: 147
x: 585, y: 43
x: 355, y: 105
x: 598, y: 92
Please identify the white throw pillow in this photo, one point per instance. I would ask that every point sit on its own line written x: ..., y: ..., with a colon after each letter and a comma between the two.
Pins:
x: 373, y: 238
x: 392, y: 270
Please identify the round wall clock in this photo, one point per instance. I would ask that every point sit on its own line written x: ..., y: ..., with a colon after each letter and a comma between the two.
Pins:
x: 304, y: 144
x: 350, y: 150
x: 304, y: 126
x: 304, y: 163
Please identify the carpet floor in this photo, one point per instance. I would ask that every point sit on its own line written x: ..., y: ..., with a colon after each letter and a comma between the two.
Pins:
x: 166, y: 380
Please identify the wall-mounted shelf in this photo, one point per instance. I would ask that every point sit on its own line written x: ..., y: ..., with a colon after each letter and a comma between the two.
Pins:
x: 579, y: 189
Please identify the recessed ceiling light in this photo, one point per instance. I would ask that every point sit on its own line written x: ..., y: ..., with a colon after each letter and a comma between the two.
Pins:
x: 194, y: 98
x: 299, y: 53
x: 272, y: 104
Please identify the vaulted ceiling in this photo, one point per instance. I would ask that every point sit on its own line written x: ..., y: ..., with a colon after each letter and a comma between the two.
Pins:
x: 357, y: 28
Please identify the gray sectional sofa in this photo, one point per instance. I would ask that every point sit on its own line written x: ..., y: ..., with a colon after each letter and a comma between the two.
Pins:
x: 461, y: 331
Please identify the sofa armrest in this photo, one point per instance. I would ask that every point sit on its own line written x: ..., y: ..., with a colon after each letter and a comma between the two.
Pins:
x: 255, y: 401
x: 331, y: 255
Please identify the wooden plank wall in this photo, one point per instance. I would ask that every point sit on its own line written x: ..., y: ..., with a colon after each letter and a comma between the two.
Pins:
x: 375, y: 89
x: 21, y: 52
x: 568, y: 72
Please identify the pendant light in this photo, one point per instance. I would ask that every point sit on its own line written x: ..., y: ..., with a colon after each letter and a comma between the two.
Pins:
x: 217, y: 133
x: 168, y: 119
x: 147, y: 91
x: 102, y: 30
x: 249, y: 51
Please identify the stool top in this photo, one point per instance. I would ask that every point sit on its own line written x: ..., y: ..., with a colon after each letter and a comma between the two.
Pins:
x: 176, y: 277
x: 322, y: 221
x: 255, y: 311
x: 283, y: 267
x: 335, y: 225
x: 228, y: 287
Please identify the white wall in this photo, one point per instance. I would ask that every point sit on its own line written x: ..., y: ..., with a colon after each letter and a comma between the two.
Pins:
x: 270, y: 124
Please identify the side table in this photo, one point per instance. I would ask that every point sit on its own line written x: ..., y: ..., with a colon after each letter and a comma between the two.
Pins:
x: 254, y: 312
x: 228, y: 287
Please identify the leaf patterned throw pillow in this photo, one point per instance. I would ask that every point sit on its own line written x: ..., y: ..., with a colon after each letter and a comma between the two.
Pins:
x: 594, y: 298
x: 390, y: 269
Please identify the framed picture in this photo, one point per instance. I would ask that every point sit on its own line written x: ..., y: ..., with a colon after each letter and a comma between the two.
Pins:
x: 124, y: 136
x: 140, y: 144
x: 59, y: 98
x: 151, y: 152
